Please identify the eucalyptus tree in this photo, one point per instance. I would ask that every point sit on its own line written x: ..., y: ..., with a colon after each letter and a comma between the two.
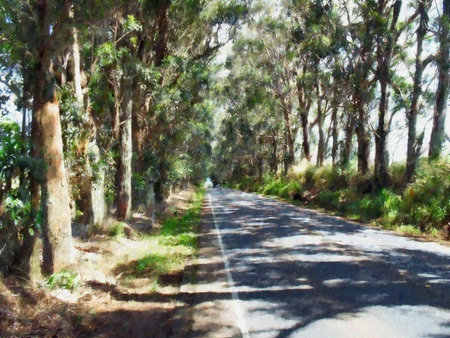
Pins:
x: 188, y: 36
x: 387, y: 34
x: 442, y: 61
x: 415, y: 142
x: 252, y: 134
x: 47, y: 24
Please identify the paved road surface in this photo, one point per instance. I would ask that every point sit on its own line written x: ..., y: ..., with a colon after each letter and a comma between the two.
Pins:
x: 268, y: 269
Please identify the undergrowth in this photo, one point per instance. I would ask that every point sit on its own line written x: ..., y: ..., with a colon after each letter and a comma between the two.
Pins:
x: 173, y: 244
x: 422, y: 206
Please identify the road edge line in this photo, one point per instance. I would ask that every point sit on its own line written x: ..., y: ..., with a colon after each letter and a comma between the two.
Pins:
x: 240, y: 312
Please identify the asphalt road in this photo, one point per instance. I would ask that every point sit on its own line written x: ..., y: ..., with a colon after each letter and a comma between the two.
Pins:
x: 269, y: 269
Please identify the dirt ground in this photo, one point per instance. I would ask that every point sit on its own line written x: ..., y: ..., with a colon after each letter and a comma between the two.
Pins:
x: 105, y: 304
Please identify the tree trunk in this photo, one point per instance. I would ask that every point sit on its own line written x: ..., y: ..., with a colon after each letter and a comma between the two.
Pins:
x: 381, y: 165
x: 385, y: 51
x: 289, y: 140
x: 56, y: 227
x: 92, y: 200
x: 437, y: 133
x: 363, y: 139
x: 273, y: 156
x: 321, y: 144
x: 334, y: 134
x: 125, y: 145
x: 55, y: 201
x: 415, y: 143
x: 348, y: 141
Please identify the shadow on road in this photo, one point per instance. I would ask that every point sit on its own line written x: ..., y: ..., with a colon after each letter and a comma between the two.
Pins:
x: 295, y: 270
x: 293, y: 267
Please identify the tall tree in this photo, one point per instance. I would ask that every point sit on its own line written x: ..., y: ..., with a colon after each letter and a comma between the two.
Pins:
x: 443, y: 63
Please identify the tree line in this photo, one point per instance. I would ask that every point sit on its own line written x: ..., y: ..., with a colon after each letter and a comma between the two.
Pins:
x: 328, y: 81
x: 115, y: 104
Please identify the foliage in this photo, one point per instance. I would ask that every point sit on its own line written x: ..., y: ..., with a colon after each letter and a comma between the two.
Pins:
x: 425, y: 201
x: 422, y: 206
x: 117, y: 229
x: 64, y: 280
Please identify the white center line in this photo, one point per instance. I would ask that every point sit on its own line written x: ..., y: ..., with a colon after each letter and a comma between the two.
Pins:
x: 240, y: 312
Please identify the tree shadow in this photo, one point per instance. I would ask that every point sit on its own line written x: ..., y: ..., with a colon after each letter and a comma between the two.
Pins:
x: 296, y: 267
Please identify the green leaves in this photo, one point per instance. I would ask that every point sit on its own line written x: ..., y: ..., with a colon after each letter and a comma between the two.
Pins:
x: 131, y: 24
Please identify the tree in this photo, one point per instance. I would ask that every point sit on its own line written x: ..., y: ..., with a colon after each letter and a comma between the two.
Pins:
x: 443, y: 62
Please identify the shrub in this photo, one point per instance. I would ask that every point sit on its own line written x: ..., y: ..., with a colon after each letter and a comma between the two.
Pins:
x: 397, y: 176
x: 308, y: 181
x: 329, y: 200
x: 331, y: 178
x: 273, y: 187
x: 426, y: 200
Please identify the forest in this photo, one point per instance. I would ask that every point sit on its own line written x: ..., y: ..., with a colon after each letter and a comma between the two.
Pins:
x: 106, y: 104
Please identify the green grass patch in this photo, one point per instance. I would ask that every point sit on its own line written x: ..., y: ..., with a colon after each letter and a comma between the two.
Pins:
x: 159, y: 264
x: 409, y: 230
x: 182, y: 230
x: 175, y: 242
x: 117, y: 229
x: 64, y: 280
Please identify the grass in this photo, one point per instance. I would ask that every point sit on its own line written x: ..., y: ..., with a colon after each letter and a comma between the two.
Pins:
x: 64, y: 280
x: 170, y: 247
x: 423, y: 204
x: 116, y: 229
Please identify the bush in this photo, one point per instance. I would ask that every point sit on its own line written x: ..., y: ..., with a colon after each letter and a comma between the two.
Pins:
x: 329, y: 200
x: 397, y: 176
x: 273, y: 187
x: 308, y: 181
x: 331, y: 178
x: 426, y: 200
x: 291, y: 190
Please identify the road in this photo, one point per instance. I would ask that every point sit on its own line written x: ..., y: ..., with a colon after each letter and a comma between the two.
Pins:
x: 269, y: 269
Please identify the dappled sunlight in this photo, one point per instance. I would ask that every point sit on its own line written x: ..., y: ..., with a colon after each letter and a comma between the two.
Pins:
x: 295, y: 271
x: 411, y: 321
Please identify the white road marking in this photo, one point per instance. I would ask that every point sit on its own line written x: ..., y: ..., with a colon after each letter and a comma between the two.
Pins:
x: 240, y: 312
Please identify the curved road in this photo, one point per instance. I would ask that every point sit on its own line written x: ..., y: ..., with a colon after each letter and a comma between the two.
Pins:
x: 269, y: 269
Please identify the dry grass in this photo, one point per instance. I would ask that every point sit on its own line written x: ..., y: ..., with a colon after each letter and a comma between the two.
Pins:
x: 109, y: 301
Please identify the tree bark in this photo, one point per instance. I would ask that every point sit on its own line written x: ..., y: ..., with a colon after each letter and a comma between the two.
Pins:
x: 304, y: 106
x: 440, y: 112
x: 414, y: 146
x: 92, y: 200
x: 362, y: 137
x: 320, y: 119
x: 289, y: 141
x: 125, y: 149
x: 273, y: 156
x: 334, y: 134
x: 56, y: 225
x: 385, y: 51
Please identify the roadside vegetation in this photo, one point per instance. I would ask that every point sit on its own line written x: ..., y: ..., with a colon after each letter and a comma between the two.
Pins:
x: 420, y: 207
x: 122, y: 279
